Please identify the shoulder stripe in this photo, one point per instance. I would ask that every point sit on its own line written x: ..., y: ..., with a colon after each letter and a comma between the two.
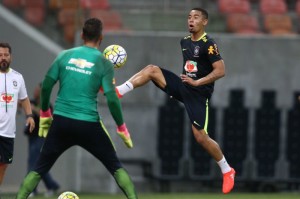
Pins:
x: 187, y: 37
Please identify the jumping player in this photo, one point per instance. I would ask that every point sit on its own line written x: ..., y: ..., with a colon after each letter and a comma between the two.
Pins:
x: 202, y: 66
x: 81, y: 71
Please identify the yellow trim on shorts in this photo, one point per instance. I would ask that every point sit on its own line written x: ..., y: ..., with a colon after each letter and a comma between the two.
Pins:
x: 206, y: 117
x: 105, y: 130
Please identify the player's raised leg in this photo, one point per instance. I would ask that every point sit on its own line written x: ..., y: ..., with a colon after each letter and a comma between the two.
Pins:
x: 213, y: 148
x: 150, y: 72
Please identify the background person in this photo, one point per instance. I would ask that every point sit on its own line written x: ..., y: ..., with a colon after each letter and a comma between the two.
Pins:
x: 12, y: 89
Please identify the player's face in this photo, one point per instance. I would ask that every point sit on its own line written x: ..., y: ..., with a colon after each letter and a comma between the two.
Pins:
x: 196, y: 21
x: 5, y: 59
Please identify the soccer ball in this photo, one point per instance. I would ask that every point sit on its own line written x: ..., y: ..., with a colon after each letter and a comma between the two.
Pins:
x: 116, y: 54
x: 68, y: 195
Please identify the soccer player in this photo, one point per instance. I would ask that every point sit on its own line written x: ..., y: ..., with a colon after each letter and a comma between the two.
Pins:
x: 12, y: 89
x: 202, y: 66
x: 81, y: 71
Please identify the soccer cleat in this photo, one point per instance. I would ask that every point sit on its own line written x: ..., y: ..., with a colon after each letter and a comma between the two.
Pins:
x: 126, y: 139
x: 101, y: 90
x: 228, y: 181
x: 118, y: 93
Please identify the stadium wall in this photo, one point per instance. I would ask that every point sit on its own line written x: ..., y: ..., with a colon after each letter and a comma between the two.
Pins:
x: 252, y: 64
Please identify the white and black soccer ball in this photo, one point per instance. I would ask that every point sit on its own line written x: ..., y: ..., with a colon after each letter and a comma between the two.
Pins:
x: 68, y: 195
x: 116, y: 54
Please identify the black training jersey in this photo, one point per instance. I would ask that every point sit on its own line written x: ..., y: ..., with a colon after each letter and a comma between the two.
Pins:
x: 198, y: 57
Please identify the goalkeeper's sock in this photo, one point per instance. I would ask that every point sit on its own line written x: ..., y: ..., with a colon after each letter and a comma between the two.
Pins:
x: 224, y: 166
x: 29, y: 183
x: 125, y: 183
x: 125, y: 88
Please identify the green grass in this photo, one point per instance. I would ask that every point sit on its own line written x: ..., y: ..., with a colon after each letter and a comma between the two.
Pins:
x: 183, y: 196
x: 198, y: 196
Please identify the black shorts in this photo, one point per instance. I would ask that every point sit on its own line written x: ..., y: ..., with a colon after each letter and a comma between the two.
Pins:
x: 6, y: 150
x: 65, y: 133
x: 195, y: 103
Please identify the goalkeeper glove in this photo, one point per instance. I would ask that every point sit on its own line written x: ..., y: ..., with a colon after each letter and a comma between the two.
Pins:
x: 124, y: 134
x: 45, y: 122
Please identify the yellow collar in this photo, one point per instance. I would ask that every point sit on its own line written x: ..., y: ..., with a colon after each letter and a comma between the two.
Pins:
x: 204, y: 34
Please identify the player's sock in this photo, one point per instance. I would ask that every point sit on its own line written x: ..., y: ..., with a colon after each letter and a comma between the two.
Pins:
x: 124, y: 88
x: 125, y: 183
x: 224, y: 166
x: 29, y: 183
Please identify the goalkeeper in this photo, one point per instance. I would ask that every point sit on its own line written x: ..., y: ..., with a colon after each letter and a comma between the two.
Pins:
x: 81, y: 71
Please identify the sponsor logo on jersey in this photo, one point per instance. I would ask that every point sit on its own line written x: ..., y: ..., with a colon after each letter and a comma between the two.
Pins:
x: 81, y: 63
x: 7, y: 98
x: 190, y: 66
x: 213, y: 50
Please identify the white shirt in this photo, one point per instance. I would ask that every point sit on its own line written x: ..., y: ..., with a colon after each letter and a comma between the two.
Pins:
x: 12, y: 89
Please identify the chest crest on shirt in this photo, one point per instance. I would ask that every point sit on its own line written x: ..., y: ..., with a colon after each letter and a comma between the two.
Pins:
x: 15, y: 83
x: 196, y: 51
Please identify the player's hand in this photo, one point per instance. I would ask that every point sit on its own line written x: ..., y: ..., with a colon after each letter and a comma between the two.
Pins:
x: 124, y: 134
x: 188, y: 80
x: 45, y: 122
x: 31, y: 123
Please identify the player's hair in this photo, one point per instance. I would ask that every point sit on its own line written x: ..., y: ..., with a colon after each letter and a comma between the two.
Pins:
x: 92, y: 29
x: 5, y: 45
x: 203, y: 12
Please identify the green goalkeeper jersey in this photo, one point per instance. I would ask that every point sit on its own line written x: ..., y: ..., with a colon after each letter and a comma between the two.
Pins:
x: 81, y: 72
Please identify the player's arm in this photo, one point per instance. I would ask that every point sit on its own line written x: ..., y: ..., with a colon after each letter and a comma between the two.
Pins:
x: 50, y: 79
x: 116, y: 112
x: 114, y: 106
x: 108, y: 88
x: 45, y: 112
x: 25, y: 103
x: 27, y: 109
x: 46, y: 90
x: 108, y: 84
x: 217, y: 73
